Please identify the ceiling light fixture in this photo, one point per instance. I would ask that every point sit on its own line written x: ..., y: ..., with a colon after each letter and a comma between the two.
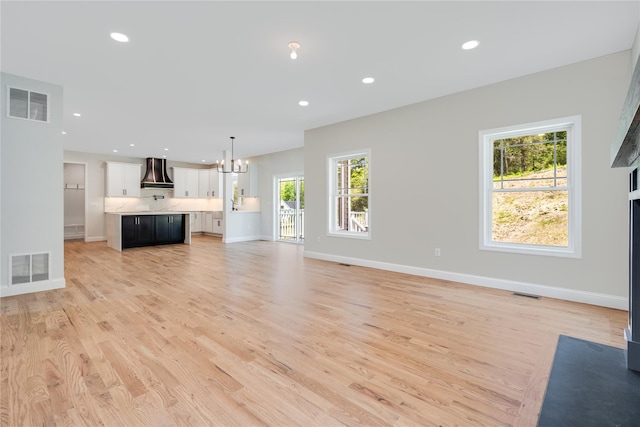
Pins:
x: 294, y: 46
x: 64, y: 133
x: 77, y: 114
x: 132, y: 145
x: 303, y: 103
x: 471, y: 44
x: 115, y: 151
x: 236, y: 165
x: 368, y: 80
x: 119, y: 37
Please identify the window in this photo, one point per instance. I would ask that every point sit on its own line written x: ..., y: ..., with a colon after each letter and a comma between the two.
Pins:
x: 530, y: 188
x: 349, y: 196
x: 24, y: 104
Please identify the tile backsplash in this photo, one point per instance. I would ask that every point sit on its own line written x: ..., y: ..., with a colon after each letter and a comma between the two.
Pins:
x: 163, y: 201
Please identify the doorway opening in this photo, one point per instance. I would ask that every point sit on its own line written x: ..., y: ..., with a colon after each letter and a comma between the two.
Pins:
x: 74, y: 201
x: 290, y: 209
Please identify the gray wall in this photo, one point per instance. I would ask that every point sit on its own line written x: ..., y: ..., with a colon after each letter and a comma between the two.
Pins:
x: 424, y: 183
x: 31, y: 197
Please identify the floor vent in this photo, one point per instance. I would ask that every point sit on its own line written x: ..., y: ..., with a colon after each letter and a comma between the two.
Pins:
x: 520, y: 294
x: 29, y: 268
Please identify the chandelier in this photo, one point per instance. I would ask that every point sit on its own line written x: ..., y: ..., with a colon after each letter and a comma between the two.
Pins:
x: 236, y: 165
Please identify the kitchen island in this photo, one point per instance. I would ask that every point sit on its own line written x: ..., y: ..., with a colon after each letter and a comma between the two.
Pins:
x: 135, y: 229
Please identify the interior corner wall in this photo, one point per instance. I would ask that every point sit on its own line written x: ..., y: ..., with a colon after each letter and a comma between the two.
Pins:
x: 31, y: 187
x: 271, y: 166
x: 424, y: 184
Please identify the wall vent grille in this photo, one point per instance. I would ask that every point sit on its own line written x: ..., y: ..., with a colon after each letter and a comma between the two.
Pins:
x: 520, y: 294
x: 29, y: 268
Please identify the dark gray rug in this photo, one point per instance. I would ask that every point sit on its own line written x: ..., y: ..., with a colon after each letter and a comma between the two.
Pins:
x: 590, y: 385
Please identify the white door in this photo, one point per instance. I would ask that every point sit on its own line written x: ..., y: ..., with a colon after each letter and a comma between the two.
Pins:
x: 290, y: 209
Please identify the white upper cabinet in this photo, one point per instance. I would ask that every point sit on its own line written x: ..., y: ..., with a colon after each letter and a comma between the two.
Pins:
x: 123, y: 179
x: 248, y: 182
x: 209, y: 183
x: 185, y: 182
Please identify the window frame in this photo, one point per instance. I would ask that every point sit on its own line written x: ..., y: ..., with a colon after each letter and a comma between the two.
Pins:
x: 332, y: 161
x: 573, y: 126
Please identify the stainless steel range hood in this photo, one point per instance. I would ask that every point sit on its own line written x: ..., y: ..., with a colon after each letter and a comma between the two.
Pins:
x: 156, y: 176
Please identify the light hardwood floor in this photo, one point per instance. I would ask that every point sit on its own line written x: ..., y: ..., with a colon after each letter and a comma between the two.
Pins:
x: 254, y: 334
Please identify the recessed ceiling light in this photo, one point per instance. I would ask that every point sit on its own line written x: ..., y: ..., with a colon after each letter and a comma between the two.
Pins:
x: 166, y: 149
x: 203, y: 160
x: 368, y: 80
x: 471, y: 44
x: 132, y: 145
x: 164, y: 157
x: 77, y: 114
x: 64, y: 133
x: 303, y: 103
x: 115, y: 151
x: 119, y: 37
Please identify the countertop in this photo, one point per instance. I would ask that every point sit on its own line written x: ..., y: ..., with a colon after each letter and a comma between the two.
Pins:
x: 148, y: 213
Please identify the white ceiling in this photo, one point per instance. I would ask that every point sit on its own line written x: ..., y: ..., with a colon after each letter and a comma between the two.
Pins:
x: 195, y: 73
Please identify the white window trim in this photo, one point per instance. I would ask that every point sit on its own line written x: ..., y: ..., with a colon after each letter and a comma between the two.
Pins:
x: 331, y: 173
x: 28, y: 105
x: 574, y: 185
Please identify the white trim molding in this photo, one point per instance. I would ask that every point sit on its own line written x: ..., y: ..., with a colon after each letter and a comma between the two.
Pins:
x: 573, y: 127
x: 240, y: 239
x: 593, y: 298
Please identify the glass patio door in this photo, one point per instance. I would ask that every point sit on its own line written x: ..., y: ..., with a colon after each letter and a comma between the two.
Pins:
x: 290, y: 209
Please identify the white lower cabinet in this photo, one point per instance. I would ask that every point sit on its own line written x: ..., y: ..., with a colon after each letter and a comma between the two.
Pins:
x: 217, y: 226
x: 196, y: 222
x: 208, y: 222
x: 212, y: 223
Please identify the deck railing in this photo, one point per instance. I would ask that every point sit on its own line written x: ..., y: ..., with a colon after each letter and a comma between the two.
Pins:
x: 358, y: 221
x: 287, y: 221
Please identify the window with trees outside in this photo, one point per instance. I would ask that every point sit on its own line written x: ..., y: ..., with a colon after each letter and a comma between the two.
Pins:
x: 531, y: 188
x: 349, y: 195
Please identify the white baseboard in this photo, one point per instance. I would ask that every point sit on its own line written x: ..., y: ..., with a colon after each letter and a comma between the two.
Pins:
x: 593, y: 298
x: 239, y: 239
x: 267, y: 238
x: 96, y: 239
x: 27, y: 288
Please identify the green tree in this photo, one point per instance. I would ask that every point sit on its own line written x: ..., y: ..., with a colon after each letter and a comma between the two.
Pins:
x: 359, y: 184
x: 288, y: 191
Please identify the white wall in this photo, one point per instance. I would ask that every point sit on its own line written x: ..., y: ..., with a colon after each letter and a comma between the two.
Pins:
x: 31, y: 195
x: 424, y: 183
x: 635, y: 51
